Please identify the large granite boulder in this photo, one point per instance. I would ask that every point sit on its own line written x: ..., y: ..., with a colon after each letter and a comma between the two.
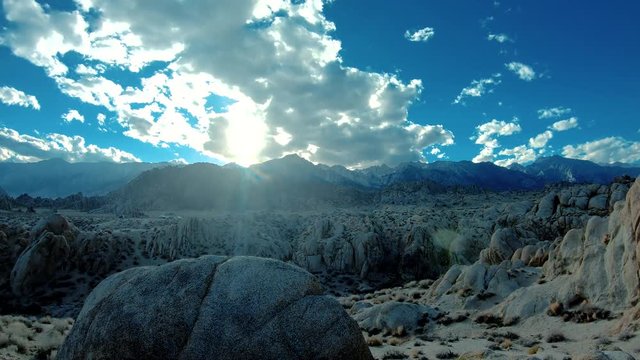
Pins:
x: 213, y: 308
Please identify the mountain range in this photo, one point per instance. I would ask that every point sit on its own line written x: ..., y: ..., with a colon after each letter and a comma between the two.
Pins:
x: 295, y: 183
x: 290, y: 181
x: 58, y: 178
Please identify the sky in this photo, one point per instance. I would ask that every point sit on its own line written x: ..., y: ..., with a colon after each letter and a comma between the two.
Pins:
x: 337, y: 82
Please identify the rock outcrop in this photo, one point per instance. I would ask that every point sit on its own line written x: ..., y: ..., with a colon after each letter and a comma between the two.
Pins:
x: 590, y: 273
x: 603, y: 258
x: 45, y: 254
x: 55, y: 260
x: 5, y: 201
x: 213, y: 308
x: 395, y: 317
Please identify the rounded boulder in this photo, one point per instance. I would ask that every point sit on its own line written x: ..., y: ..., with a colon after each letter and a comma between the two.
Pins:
x: 213, y: 308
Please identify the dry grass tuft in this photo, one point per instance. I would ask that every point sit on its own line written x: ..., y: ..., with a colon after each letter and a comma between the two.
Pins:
x: 533, y: 350
x: 506, y: 344
x: 374, y: 341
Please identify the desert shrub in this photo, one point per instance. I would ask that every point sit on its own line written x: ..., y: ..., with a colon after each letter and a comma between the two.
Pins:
x: 394, y: 354
x: 555, y: 309
x: 447, y: 355
x: 506, y: 344
x: 489, y: 319
x: 555, y: 337
x: 374, y: 341
x: 533, y: 350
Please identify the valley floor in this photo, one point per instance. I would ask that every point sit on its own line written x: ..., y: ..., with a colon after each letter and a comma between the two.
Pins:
x: 551, y: 275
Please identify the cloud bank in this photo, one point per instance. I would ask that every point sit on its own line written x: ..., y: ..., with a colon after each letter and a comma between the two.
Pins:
x: 605, y: 151
x: 18, y: 147
x: 487, y: 135
x: 274, y: 64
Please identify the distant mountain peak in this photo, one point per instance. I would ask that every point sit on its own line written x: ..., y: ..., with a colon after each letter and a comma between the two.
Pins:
x: 294, y: 157
x: 287, y: 160
x: 232, y: 165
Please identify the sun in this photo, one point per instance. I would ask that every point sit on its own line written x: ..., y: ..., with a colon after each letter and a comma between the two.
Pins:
x: 246, y: 132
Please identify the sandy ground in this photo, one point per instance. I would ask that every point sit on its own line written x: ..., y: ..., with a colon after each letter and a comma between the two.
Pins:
x: 38, y: 338
x: 529, y: 339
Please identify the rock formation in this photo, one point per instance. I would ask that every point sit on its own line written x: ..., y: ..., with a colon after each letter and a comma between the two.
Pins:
x: 213, y: 308
x: 588, y: 274
x: 44, y: 256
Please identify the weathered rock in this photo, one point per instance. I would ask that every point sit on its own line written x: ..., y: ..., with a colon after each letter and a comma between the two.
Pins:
x: 599, y: 202
x: 481, y: 285
x: 422, y: 257
x: 604, y: 256
x: 38, y: 263
x: 547, y: 205
x: 213, y: 308
x: 55, y: 223
x: 395, y: 316
x: 50, y: 245
x: 532, y: 255
x: 504, y: 242
x: 591, y: 272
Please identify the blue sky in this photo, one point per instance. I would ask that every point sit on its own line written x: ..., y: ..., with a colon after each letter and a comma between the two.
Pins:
x: 336, y: 83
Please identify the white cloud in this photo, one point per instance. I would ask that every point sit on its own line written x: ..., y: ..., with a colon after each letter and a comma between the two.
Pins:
x: 486, y: 154
x: 73, y: 115
x: 524, y: 72
x: 421, y: 35
x: 564, y: 125
x: 179, y: 161
x: 537, y: 145
x: 22, y: 148
x: 101, y: 119
x: 493, y: 128
x: 501, y: 38
x: 487, y: 134
x: 42, y: 37
x: 11, y: 96
x: 83, y: 69
x: 540, y: 140
x: 478, y: 88
x: 552, y: 113
x: 519, y: 154
x: 605, y: 151
x: 282, y: 74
